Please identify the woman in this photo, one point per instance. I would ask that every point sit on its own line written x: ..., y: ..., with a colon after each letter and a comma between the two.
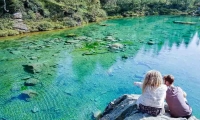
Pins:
x: 153, y: 93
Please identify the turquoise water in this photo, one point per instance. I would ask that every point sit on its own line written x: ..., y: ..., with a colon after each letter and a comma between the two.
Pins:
x: 73, y: 85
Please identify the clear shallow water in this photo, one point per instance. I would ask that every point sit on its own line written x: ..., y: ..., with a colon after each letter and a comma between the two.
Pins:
x: 72, y: 86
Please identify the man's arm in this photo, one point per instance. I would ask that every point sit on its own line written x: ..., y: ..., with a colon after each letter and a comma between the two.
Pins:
x: 184, y: 94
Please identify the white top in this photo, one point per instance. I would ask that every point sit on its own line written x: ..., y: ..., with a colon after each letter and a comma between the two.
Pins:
x: 153, y: 98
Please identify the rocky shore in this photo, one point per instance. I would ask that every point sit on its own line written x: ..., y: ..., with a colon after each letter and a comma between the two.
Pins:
x: 124, y: 108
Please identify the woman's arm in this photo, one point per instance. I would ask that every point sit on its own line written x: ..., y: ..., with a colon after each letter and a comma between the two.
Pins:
x: 139, y: 84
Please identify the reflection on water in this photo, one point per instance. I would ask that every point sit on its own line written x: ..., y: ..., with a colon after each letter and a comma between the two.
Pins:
x: 71, y: 81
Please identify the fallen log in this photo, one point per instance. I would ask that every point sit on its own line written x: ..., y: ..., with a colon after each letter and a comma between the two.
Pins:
x: 183, y: 22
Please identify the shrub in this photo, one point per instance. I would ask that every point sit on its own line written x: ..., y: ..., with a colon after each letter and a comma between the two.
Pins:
x: 58, y: 26
x: 44, y: 26
x: 31, y: 15
x: 3, y: 33
x: 46, y: 13
x: 12, y: 32
x: 1, y: 26
x: 6, y: 24
x: 69, y: 22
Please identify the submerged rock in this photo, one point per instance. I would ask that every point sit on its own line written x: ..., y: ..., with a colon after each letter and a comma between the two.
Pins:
x: 15, y: 88
x: 103, y: 24
x: 35, y: 109
x: 71, y: 35
x: 151, y: 42
x: 15, y: 52
x: 27, y: 94
x: 110, y: 38
x: 125, y: 108
x: 33, y: 58
x: 124, y: 57
x: 31, y: 82
x: 26, y: 77
x: 33, y: 68
x: 81, y: 38
x: 72, y: 41
x: 116, y: 46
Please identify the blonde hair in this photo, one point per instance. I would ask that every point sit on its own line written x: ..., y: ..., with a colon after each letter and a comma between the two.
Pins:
x: 153, y: 79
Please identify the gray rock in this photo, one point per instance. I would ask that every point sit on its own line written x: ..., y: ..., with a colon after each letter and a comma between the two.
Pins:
x: 125, y: 108
x: 120, y: 108
x: 17, y: 15
x: 18, y: 22
x: 20, y: 26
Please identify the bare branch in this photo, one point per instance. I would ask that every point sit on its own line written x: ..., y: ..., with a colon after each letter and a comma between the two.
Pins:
x: 5, y: 6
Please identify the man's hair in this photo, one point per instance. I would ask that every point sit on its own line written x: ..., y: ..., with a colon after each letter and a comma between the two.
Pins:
x: 169, y: 78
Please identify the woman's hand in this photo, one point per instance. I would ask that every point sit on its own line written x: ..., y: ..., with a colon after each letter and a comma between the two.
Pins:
x: 139, y: 84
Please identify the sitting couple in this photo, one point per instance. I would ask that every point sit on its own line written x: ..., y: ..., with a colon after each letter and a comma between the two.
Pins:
x: 154, y: 93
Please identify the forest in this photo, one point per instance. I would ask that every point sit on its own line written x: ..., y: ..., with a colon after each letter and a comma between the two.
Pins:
x: 43, y: 15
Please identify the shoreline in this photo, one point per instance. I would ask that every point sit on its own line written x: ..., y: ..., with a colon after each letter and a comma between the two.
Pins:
x: 69, y: 28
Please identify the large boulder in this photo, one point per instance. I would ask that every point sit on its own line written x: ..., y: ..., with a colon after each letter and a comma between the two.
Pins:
x: 125, y: 108
x: 18, y: 22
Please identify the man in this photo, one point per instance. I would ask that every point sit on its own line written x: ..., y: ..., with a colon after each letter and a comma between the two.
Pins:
x: 176, y: 99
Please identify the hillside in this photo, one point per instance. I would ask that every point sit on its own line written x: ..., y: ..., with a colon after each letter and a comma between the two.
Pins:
x: 42, y: 15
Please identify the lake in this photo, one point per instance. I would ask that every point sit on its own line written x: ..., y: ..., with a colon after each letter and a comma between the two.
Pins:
x: 69, y: 74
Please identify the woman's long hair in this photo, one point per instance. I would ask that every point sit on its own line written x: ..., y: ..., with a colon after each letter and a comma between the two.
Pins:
x: 153, y: 79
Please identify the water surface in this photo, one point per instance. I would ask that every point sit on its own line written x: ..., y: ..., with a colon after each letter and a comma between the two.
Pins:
x: 74, y: 84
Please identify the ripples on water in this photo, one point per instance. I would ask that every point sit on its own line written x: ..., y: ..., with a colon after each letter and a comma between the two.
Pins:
x: 73, y: 85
